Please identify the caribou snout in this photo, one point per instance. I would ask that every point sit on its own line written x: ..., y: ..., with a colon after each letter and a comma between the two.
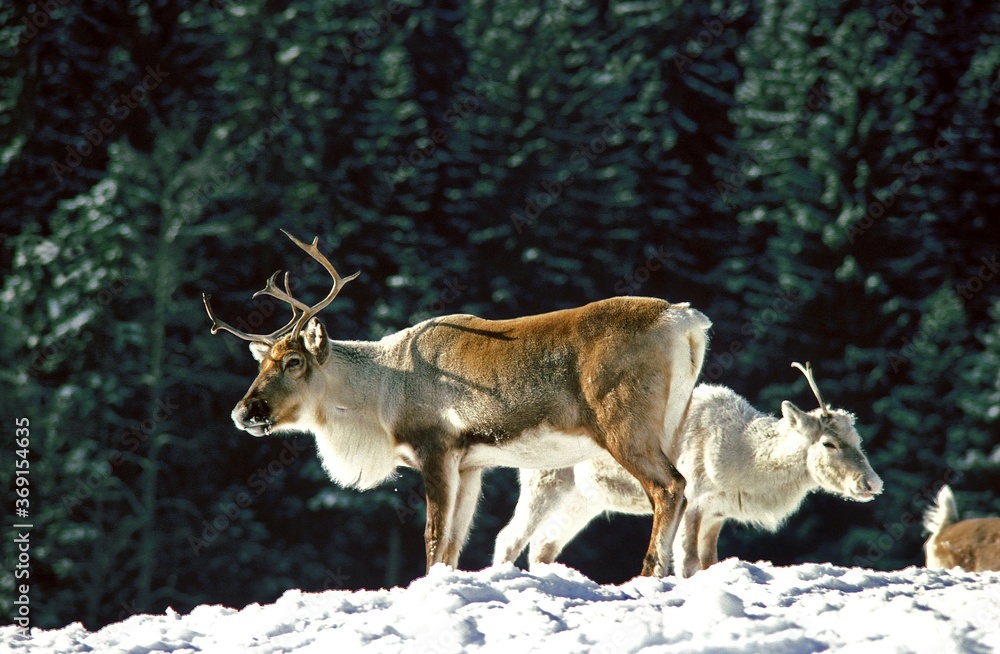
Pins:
x: 866, y: 488
x: 253, y: 416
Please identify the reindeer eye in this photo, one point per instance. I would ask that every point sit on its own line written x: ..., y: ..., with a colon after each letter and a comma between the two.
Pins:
x: 292, y: 362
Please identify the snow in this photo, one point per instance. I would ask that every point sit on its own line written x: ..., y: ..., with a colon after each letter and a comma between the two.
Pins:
x: 734, y: 606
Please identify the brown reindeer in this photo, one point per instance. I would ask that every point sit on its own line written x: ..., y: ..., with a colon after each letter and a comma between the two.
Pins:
x: 454, y: 395
x: 970, y: 544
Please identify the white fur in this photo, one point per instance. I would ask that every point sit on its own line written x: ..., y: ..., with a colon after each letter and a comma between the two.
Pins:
x: 354, y: 447
x: 942, y: 513
x: 535, y: 448
x: 972, y: 544
x: 355, y: 455
x: 739, y: 464
x: 453, y: 418
x: 415, y: 397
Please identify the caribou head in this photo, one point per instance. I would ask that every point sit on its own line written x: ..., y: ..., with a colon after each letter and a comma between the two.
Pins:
x: 834, y: 456
x: 291, y: 358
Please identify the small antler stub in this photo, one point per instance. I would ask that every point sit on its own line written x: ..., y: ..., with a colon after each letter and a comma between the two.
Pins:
x: 807, y: 371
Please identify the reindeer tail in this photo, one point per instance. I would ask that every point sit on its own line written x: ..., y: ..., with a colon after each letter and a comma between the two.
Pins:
x: 943, y: 513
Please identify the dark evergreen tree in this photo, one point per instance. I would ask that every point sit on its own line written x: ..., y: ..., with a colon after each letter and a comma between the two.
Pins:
x: 815, y: 176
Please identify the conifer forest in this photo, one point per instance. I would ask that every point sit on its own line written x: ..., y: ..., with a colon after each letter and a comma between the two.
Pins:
x: 818, y: 177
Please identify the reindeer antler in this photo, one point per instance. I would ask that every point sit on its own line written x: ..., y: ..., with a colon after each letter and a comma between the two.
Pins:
x: 338, y: 282
x: 302, y: 313
x: 807, y: 371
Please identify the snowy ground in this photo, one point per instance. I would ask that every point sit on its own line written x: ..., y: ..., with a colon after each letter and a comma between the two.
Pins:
x: 732, y: 607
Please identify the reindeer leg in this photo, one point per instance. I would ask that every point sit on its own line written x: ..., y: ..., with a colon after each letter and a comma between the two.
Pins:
x: 708, y: 542
x: 663, y: 484
x: 666, y: 490
x: 469, y: 484
x: 542, y: 493
x: 441, y: 481
x: 540, y: 490
x: 688, y: 536
x: 570, y: 514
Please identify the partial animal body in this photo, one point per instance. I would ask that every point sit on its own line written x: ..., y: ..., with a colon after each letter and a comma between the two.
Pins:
x: 739, y: 464
x: 973, y: 545
x: 454, y: 395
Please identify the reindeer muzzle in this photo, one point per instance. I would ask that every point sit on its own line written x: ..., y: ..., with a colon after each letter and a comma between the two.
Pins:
x: 867, y: 489
x: 253, y: 417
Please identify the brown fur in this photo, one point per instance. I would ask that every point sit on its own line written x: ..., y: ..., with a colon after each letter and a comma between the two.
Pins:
x: 970, y: 544
x: 449, y: 387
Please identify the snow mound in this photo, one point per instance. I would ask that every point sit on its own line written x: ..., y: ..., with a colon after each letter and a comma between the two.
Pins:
x: 734, y: 606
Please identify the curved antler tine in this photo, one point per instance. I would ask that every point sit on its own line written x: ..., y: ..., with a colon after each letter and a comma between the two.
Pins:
x: 288, y: 290
x: 284, y: 329
x: 218, y: 324
x: 312, y: 250
x: 807, y: 371
x: 271, y: 288
x: 302, y: 313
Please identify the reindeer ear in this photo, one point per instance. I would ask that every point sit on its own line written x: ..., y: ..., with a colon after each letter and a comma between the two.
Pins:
x: 801, y: 421
x: 314, y: 337
x: 259, y: 351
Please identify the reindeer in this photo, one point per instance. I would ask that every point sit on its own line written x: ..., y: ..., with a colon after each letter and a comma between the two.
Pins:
x: 739, y: 463
x: 454, y: 395
x: 970, y: 544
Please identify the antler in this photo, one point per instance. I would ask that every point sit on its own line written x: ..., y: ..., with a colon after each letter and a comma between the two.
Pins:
x: 218, y: 324
x: 302, y: 313
x: 807, y: 371
x: 338, y: 282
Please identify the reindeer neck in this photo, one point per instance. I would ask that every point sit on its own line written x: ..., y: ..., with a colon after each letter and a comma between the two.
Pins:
x: 358, y: 369
x: 782, y: 454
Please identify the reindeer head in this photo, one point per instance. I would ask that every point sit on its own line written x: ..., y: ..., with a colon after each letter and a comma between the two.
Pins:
x: 833, y: 456
x: 291, y: 359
